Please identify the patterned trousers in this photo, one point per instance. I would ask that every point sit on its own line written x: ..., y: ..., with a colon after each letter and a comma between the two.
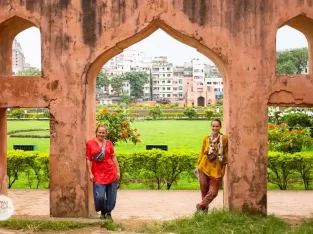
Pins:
x: 209, y: 188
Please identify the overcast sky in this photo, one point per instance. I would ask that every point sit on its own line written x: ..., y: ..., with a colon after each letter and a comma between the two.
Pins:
x: 157, y: 44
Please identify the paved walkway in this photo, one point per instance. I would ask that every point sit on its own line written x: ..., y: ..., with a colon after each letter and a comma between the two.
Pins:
x: 164, y: 205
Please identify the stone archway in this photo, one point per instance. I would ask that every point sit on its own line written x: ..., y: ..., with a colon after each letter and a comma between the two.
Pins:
x: 110, y: 53
x: 200, y: 101
x: 78, y: 37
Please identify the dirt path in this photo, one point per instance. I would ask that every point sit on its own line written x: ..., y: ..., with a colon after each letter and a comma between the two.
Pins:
x: 136, y: 207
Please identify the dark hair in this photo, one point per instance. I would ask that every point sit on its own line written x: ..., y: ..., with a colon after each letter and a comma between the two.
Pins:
x: 100, y: 126
x: 217, y: 120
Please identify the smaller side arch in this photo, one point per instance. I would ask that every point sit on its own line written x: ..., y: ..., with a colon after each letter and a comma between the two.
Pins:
x: 8, y: 31
x: 304, y: 25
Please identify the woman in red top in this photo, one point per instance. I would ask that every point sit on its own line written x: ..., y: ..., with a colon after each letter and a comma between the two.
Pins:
x: 104, y: 174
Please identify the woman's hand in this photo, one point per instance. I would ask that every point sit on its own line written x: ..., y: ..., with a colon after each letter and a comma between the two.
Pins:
x: 223, y: 170
x: 118, y: 175
x: 91, y: 177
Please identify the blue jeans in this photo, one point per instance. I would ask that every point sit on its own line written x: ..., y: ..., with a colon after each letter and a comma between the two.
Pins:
x: 105, y: 197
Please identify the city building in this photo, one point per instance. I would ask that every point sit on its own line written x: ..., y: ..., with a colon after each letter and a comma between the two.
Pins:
x: 162, y: 79
x: 195, y: 82
x: 18, y: 58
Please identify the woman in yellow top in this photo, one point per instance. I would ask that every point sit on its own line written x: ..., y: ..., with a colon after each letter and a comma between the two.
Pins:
x: 211, y: 164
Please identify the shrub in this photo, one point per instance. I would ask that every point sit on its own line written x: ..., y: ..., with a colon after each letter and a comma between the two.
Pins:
x: 17, y: 113
x: 280, y: 167
x: 118, y: 126
x: 190, y: 112
x: 209, y: 113
x: 283, y: 139
x: 155, y: 112
x: 159, y: 169
x: 300, y: 119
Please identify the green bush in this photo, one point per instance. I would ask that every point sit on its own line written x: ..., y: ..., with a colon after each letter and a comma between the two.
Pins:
x: 209, y: 113
x: 155, y: 112
x: 190, y: 112
x: 161, y: 169
x: 283, y: 167
x: 300, y: 119
x: 17, y: 113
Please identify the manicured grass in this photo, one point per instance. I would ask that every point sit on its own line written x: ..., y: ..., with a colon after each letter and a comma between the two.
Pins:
x: 43, y: 144
x: 177, y: 134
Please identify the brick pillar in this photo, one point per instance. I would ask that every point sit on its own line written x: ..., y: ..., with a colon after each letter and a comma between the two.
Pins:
x: 246, y: 180
x: 3, y: 151
x: 68, y: 174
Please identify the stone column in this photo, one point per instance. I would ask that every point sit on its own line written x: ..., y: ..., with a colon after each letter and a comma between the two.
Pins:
x: 246, y: 181
x: 68, y: 174
x: 3, y: 151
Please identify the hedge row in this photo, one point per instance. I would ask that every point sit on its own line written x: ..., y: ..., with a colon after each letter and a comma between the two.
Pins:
x: 29, y: 136
x: 28, y: 116
x: 158, y: 168
x: 27, y: 130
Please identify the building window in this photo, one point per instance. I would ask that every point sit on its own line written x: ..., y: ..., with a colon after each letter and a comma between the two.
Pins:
x: 168, y: 81
x: 175, y: 88
x: 163, y: 88
x: 168, y: 75
x: 180, y: 94
x: 180, y: 88
x: 168, y: 88
x: 180, y: 81
x: 168, y: 95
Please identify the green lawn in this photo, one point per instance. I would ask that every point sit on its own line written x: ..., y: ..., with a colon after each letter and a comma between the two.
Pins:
x: 177, y: 134
x: 42, y: 143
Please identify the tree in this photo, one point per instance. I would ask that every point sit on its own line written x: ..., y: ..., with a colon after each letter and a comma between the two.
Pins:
x: 102, y: 80
x: 126, y: 99
x: 30, y: 72
x: 137, y: 80
x: 292, y: 61
x: 117, y: 82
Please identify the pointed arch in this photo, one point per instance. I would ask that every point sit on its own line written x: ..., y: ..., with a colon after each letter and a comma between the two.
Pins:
x: 8, y: 31
x: 304, y: 25
x: 156, y: 24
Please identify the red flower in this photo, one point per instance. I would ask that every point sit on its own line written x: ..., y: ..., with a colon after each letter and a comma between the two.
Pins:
x: 115, y: 113
x: 138, y: 135
x: 272, y: 126
x: 106, y: 111
x: 124, y: 124
x: 282, y: 125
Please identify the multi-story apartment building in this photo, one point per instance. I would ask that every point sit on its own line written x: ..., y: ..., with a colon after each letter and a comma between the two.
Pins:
x: 178, y: 83
x: 162, y: 79
x: 18, y: 58
x: 217, y: 85
x: 196, y: 82
x: 128, y: 60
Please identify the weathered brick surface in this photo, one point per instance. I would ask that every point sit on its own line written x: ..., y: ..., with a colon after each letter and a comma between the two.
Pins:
x: 78, y: 37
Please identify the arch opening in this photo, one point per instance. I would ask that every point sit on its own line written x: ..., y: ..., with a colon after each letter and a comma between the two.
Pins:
x: 293, y: 46
x: 199, y: 81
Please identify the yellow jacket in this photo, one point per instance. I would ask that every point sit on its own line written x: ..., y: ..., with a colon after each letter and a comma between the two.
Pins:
x: 212, y: 168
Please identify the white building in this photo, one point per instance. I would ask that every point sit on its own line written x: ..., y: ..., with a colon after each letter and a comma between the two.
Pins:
x: 217, y: 84
x: 18, y: 58
x: 128, y: 60
x: 162, y: 79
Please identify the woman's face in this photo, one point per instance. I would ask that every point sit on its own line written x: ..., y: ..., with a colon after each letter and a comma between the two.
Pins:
x: 101, y: 133
x: 216, y: 127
